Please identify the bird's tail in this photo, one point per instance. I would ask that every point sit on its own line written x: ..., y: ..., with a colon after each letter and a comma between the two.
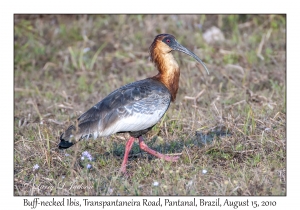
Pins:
x: 86, y: 126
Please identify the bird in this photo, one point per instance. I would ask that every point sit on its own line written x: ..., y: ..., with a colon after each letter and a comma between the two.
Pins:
x: 134, y: 108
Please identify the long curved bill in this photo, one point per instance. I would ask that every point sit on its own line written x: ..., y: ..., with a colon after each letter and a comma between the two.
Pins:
x: 181, y: 48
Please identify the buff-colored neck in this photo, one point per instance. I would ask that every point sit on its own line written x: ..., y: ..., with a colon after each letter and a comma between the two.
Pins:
x: 168, y: 68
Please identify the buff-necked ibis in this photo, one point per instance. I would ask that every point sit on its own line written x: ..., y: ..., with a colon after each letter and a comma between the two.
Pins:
x: 136, y: 107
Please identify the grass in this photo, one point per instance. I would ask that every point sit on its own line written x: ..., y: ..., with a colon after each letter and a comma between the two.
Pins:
x: 235, y: 129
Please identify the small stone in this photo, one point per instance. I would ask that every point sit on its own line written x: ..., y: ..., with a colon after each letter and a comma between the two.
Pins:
x: 155, y: 184
x: 213, y: 35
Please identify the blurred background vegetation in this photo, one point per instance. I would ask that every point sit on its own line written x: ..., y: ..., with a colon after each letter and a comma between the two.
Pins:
x: 64, y: 64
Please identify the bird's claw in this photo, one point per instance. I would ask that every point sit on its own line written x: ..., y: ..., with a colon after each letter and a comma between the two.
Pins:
x: 171, y: 158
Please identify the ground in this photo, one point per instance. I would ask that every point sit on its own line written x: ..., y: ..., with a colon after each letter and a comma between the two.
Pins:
x: 229, y: 127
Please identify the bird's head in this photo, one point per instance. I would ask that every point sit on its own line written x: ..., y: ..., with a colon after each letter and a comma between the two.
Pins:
x: 166, y: 43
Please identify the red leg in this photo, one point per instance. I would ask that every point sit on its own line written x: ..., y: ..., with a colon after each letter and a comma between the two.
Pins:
x: 127, y: 150
x: 144, y: 147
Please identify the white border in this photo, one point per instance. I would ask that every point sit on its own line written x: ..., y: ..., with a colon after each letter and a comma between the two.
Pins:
x: 153, y: 6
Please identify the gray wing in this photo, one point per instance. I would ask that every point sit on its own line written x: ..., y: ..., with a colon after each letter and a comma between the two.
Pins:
x: 133, y: 107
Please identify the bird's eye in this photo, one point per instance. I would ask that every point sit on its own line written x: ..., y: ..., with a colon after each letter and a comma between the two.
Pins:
x: 168, y: 40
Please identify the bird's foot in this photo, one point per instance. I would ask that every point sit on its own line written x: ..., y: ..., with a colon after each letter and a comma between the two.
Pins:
x: 170, y: 158
x: 124, y: 173
x: 144, y: 147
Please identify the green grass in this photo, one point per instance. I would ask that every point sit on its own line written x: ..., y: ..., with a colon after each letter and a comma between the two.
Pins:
x: 64, y: 64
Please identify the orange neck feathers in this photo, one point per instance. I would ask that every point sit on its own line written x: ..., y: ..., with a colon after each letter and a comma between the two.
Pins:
x: 168, y: 69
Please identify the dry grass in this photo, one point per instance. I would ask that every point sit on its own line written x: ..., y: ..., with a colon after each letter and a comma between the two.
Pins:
x: 65, y: 64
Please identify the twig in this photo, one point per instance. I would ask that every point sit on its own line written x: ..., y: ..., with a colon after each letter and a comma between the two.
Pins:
x: 216, y: 108
x: 237, y: 103
x: 22, y: 89
x: 187, y: 152
x: 56, y: 122
x: 196, y: 97
x: 174, y: 154
x: 245, y: 25
x: 264, y: 38
x: 36, y: 108
x: 260, y: 46
x: 236, y: 67
x: 166, y: 130
x: 64, y: 106
x: 245, y: 151
x: 226, y: 52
